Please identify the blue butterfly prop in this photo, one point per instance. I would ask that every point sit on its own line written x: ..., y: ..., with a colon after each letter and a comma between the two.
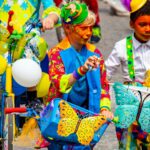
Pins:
x: 132, y: 105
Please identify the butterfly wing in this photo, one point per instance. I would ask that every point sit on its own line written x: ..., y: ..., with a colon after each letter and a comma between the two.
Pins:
x: 68, y: 121
x: 87, y: 127
x: 97, y: 121
x: 125, y: 96
x: 126, y: 115
x: 66, y: 126
x: 66, y: 111
x: 85, y: 133
x: 127, y: 100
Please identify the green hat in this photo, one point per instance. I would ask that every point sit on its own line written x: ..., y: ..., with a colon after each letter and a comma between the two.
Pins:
x: 74, y: 13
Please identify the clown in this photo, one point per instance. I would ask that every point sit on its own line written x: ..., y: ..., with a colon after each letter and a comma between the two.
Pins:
x: 25, y: 16
x: 70, y: 61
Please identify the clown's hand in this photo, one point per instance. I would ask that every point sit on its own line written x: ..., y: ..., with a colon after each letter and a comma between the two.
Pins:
x: 108, y: 114
x: 91, y: 63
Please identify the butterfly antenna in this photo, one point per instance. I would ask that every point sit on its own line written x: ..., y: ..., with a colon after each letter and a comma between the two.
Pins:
x: 140, y: 106
x: 147, y: 89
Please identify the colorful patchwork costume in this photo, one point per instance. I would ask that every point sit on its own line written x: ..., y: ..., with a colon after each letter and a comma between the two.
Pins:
x: 25, y: 17
x: 26, y: 12
x: 90, y: 90
x: 24, y: 20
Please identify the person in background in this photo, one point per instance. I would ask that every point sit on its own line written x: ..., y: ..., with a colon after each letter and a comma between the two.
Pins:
x: 117, y: 8
x: 132, y: 54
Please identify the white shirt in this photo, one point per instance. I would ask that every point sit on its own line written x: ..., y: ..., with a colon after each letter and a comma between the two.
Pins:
x: 118, y: 57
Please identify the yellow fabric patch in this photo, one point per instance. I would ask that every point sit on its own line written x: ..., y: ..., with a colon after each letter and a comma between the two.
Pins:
x: 103, y: 91
x: 105, y: 103
x: 49, y: 10
x: 90, y: 47
x: 3, y: 64
x: 64, y: 44
x: 20, y: 16
x: 64, y: 88
x: 55, y: 10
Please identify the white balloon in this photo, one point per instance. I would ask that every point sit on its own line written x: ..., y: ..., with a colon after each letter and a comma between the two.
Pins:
x: 26, y: 72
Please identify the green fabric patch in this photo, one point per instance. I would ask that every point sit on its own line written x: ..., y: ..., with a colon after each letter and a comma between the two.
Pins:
x: 130, y: 59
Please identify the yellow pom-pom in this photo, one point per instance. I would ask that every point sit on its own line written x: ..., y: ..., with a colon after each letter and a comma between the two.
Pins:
x: 3, y: 64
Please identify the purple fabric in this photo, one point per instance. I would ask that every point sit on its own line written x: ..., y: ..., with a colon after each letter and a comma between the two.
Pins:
x: 126, y: 3
x: 76, y: 75
x: 48, y: 108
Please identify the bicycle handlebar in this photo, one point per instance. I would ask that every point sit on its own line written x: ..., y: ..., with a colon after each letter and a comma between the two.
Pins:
x: 24, y: 109
x: 15, y: 110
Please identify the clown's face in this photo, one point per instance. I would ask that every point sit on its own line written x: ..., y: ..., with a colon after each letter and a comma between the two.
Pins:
x: 80, y: 34
x: 141, y: 28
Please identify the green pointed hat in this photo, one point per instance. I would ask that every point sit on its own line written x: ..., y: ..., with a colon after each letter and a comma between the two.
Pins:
x: 74, y: 13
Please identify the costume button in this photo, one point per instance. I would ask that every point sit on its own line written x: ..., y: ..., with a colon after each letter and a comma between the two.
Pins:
x: 94, y: 91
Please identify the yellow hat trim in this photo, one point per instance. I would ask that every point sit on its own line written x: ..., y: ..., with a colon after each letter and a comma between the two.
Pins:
x: 78, y: 13
x: 137, y: 4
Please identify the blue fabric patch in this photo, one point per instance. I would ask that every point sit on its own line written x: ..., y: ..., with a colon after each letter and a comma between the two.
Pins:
x: 69, y: 57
